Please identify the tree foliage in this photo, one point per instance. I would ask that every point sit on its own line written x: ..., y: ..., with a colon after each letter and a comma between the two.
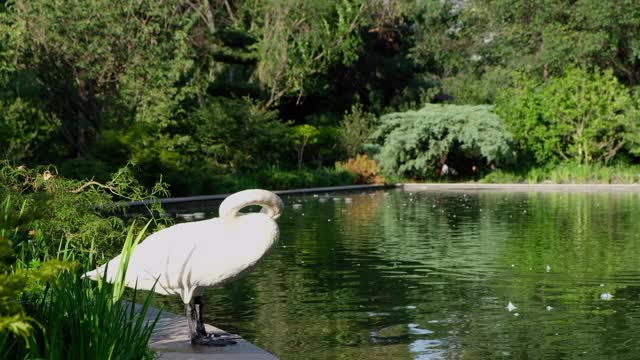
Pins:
x: 416, y: 143
x: 582, y: 116
x: 302, y: 38
x: 46, y: 309
x: 201, y: 90
x: 76, y: 216
x: 302, y: 136
x: 355, y: 129
x: 25, y: 128
x: 239, y: 133
x: 84, y: 57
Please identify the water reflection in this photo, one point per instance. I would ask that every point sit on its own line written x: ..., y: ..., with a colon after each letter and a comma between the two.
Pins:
x: 399, y: 275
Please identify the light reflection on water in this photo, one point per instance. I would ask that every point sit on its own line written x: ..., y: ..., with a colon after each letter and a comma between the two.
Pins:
x: 399, y: 275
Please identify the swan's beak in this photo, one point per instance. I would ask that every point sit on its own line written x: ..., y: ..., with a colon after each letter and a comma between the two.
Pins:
x: 273, y: 213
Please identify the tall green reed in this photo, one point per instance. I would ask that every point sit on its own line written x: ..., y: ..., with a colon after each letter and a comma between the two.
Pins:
x: 88, y: 320
x: 50, y: 311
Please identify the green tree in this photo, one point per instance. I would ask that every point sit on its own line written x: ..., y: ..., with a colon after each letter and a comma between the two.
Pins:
x: 25, y: 129
x: 81, y: 54
x: 416, y: 143
x: 590, y: 32
x: 355, y: 129
x: 583, y: 116
x: 299, y: 39
x: 473, y: 45
x: 304, y: 135
x: 239, y: 134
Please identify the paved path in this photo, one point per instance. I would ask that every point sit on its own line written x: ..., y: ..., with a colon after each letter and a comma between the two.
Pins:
x: 170, y: 340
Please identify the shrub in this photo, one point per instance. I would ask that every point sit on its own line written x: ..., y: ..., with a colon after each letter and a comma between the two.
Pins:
x: 238, y: 133
x: 366, y: 170
x: 417, y: 143
x: 355, y: 129
x: 25, y: 129
x: 569, y: 173
x: 82, y: 319
x: 583, y: 116
x: 501, y: 177
x: 71, y: 317
x: 278, y: 179
x: 82, y: 217
x: 17, y: 327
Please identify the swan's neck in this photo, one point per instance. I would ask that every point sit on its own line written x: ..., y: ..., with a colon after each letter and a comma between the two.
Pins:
x: 270, y: 202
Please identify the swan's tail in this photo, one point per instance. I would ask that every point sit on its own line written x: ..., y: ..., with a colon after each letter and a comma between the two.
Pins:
x: 271, y: 203
x: 111, y: 267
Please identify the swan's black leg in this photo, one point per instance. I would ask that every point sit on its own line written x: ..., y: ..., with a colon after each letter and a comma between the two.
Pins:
x: 199, y: 317
x: 201, y: 336
x: 191, y: 321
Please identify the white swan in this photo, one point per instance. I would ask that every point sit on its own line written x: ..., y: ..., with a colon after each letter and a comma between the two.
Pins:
x: 186, y: 258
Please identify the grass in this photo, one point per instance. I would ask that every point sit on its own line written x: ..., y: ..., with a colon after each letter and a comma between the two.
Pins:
x: 82, y: 321
x: 568, y: 173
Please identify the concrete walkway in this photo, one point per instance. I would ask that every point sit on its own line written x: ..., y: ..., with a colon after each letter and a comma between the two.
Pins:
x: 522, y: 187
x: 170, y: 340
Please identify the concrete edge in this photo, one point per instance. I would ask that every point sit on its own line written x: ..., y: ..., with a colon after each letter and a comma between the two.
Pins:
x: 170, y: 341
x: 414, y: 187
x: 186, y: 199
x: 521, y: 187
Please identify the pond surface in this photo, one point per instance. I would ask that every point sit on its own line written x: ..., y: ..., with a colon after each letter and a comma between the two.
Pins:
x: 430, y: 275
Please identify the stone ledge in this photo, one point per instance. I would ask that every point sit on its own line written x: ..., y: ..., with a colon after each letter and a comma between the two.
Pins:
x: 220, y: 197
x: 520, y: 187
x: 170, y: 339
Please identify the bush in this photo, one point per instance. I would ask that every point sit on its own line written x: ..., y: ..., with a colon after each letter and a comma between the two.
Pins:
x: 366, y: 170
x: 277, y: 179
x: 569, y: 173
x: 80, y: 217
x: 502, y: 177
x: 25, y: 129
x: 83, y: 320
x: 17, y: 327
x: 71, y: 317
x: 355, y: 129
x: 238, y: 133
x: 583, y: 116
x: 417, y: 143
x: 46, y: 309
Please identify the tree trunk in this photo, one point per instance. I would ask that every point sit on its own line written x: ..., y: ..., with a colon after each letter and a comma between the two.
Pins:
x: 300, y: 153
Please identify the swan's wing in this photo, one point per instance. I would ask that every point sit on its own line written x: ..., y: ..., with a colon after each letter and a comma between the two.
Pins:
x: 159, y: 259
x: 234, y: 249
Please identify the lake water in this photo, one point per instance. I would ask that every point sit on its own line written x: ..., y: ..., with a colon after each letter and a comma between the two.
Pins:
x: 430, y: 275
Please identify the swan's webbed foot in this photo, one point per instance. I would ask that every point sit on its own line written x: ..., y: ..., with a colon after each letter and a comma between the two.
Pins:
x: 198, y: 334
x: 211, y: 341
x: 225, y: 336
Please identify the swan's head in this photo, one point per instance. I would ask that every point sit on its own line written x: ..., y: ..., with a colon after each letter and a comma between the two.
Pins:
x: 273, y: 212
x: 271, y: 203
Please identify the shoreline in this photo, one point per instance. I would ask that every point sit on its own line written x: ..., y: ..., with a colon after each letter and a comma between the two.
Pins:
x: 590, y: 188
x: 220, y: 197
x: 467, y: 186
